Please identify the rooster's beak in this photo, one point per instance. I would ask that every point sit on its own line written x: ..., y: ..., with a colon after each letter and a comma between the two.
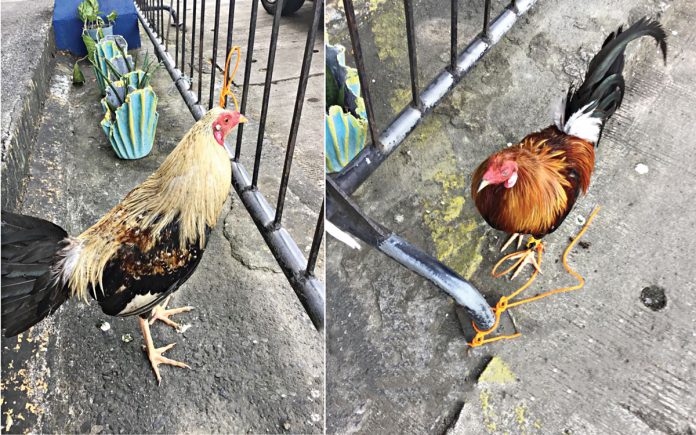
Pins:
x: 242, y: 119
x: 483, y: 184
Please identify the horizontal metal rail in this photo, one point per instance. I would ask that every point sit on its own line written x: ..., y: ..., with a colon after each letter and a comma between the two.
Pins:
x: 386, y: 142
x: 346, y: 215
x: 299, y: 271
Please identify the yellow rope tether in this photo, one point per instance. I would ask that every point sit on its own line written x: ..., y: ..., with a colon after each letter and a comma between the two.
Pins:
x: 504, y: 304
x: 227, y: 85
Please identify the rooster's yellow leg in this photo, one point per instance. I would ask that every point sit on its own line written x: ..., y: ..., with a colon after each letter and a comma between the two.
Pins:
x: 161, y: 313
x: 155, y: 354
x: 512, y: 238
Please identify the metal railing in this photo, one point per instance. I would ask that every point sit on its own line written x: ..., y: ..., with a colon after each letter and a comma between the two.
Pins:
x: 269, y: 221
x: 345, y: 214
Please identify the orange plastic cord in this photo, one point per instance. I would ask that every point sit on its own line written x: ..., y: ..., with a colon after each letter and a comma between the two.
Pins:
x: 227, y: 86
x: 504, y: 302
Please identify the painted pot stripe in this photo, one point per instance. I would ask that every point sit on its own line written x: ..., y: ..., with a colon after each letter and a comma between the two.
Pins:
x: 131, y: 129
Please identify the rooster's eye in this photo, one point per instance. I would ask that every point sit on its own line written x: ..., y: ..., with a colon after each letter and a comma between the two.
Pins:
x: 227, y: 120
x: 505, y: 173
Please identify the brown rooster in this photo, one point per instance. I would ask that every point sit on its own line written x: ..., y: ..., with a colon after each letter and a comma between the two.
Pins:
x: 531, y: 187
x: 137, y: 254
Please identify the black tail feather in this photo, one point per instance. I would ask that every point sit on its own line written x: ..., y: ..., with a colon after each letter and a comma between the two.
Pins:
x: 29, y: 291
x: 603, y: 87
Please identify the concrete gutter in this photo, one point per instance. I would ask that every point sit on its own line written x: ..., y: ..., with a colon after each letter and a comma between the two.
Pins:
x: 26, y: 73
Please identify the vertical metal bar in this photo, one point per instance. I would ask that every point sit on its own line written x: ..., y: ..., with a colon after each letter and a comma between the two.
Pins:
x: 176, y: 45
x: 161, y: 19
x: 266, y: 92
x: 228, y: 47
x: 360, y: 64
x: 183, y: 41
x: 486, y: 16
x: 297, y: 114
x: 193, y: 42
x: 214, y: 58
x: 453, y: 35
x: 200, y: 52
x: 412, y: 56
x: 247, y: 74
x: 316, y: 243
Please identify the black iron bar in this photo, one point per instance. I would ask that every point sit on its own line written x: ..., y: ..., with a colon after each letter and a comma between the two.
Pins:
x: 200, y: 52
x: 453, y: 35
x: 176, y: 46
x: 228, y: 47
x: 193, y: 41
x: 486, y: 17
x: 316, y: 243
x: 161, y: 20
x: 247, y: 75
x: 360, y: 64
x: 183, y: 40
x: 412, y: 55
x: 213, y: 61
x: 297, y: 113
x: 266, y: 92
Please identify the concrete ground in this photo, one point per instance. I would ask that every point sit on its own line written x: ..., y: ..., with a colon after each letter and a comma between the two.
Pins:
x: 257, y: 361
x: 605, y: 359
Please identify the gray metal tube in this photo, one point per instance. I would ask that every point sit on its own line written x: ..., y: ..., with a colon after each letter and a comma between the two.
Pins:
x: 461, y: 290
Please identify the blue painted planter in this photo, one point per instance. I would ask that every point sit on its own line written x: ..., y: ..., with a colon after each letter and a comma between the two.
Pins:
x: 107, y: 49
x: 131, y: 128
x: 94, y: 33
x: 345, y: 132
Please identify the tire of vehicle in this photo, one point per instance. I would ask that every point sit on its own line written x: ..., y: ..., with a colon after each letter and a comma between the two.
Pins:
x: 289, y: 6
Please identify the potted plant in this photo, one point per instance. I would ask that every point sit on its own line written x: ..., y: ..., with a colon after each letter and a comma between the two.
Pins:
x: 130, y: 111
x: 346, y: 118
x: 111, y: 59
x: 93, y: 30
x: 93, y: 24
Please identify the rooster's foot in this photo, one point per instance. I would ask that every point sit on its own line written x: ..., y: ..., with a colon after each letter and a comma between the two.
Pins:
x: 515, y: 236
x: 161, y: 313
x: 155, y: 354
x: 521, y: 259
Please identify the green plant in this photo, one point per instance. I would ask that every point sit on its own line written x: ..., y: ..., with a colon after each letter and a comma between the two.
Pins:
x: 91, y: 16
